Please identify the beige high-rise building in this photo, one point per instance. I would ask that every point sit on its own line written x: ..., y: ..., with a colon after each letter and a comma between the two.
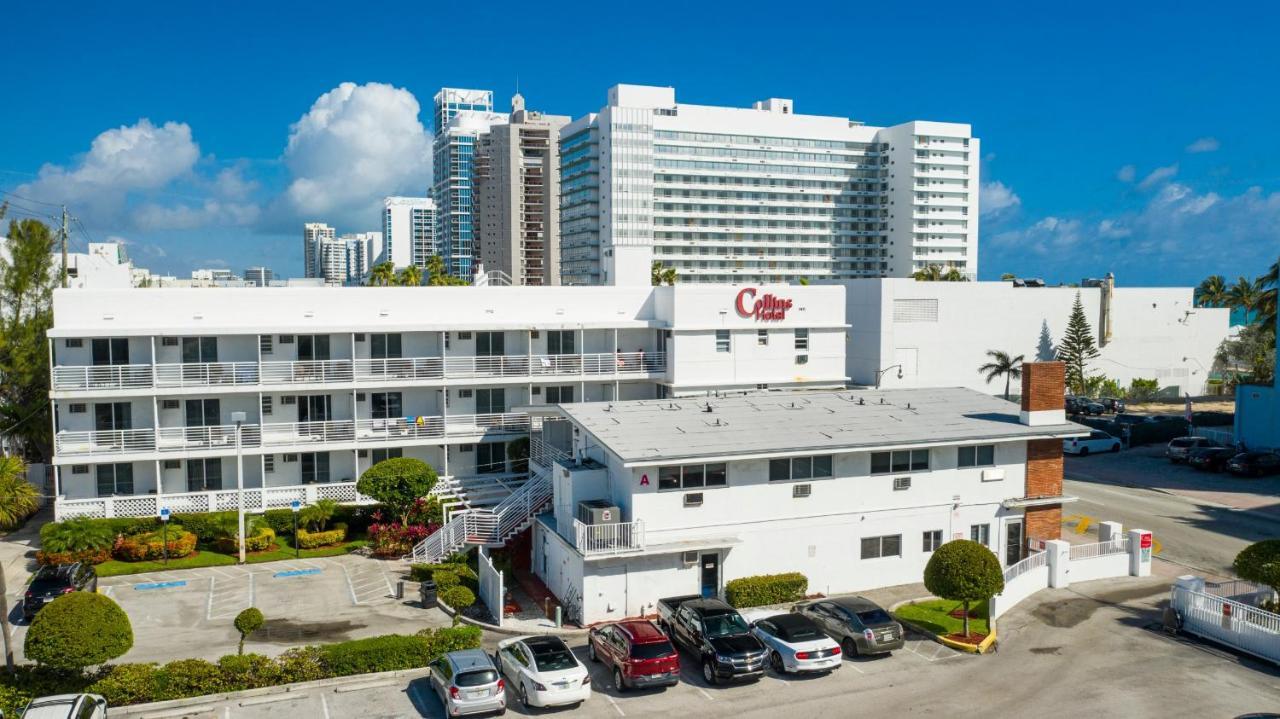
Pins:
x: 517, y: 191
x: 313, y: 233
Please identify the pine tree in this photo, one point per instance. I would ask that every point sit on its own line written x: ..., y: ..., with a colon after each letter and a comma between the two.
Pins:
x: 1077, y: 347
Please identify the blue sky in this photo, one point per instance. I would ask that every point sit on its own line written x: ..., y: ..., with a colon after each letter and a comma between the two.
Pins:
x: 1132, y: 137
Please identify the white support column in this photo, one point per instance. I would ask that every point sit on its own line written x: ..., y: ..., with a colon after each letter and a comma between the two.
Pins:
x: 1141, y: 545
x: 155, y: 381
x: 159, y: 484
x: 1110, y: 531
x: 1058, y: 554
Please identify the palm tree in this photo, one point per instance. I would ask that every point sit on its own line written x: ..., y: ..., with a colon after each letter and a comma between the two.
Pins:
x: 410, y: 276
x: 1002, y: 365
x: 1267, y: 300
x: 19, y: 498
x: 1212, y: 292
x: 1245, y: 294
x: 383, y: 275
x: 932, y: 273
x: 954, y: 275
x: 660, y: 275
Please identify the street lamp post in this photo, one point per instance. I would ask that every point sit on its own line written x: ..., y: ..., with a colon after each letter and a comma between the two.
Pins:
x: 880, y: 373
x: 238, y: 418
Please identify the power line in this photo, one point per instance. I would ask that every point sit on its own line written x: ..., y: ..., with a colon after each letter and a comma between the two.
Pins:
x: 28, y: 199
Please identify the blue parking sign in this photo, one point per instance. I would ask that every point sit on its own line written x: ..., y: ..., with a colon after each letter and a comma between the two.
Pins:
x: 295, y: 505
x: 164, y: 514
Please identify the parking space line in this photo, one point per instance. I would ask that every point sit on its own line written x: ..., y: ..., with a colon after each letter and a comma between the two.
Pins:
x: 854, y: 666
x: 225, y: 575
x: 324, y: 705
x: 704, y: 693
x: 208, y: 615
x: 391, y: 592
x: 615, y: 706
x: 351, y: 588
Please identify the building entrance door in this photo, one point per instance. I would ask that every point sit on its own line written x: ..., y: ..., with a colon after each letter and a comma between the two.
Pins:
x: 1013, y: 542
x: 710, y: 575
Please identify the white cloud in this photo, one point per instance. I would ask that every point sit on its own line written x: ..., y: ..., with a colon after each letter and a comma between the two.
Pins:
x: 152, y: 217
x: 1111, y: 229
x: 355, y: 145
x: 231, y: 183
x: 1158, y: 175
x: 1204, y: 144
x: 120, y: 161
x: 996, y: 197
x: 1051, y: 234
x: 1127, y: 173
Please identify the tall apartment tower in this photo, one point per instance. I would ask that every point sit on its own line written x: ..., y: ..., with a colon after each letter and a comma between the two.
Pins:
x: 460, y: 117
x: 361, y: 249
x: 333, y: 261
x: 516, y: 195
x: 312, y: 234
x: 409, y: 231
x: 760, y: 194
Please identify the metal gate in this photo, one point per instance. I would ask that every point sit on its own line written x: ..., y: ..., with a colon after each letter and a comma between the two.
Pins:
x: 1227, y: 621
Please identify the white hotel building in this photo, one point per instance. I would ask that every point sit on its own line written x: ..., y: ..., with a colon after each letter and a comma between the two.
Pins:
x: 761, y: 194
x: 147, y: 385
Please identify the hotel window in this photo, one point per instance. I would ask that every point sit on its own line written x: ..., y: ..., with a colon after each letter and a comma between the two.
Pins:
x: 693, y: 476
x: 980, y: 533
x: 802, y: 339
x: 315, y: 467
x: 722, y: 341
x: 204, y: 475
x: 381, y: 455
x: 914, y: 460
x: 877, y: 547
x: 762, y: 337
x: 982, y: 455
x: 932, y: 540
x: 787, y: 468
x: 491, y: 458
x: 115, y: 479
x: 560, y: 394
x: 384, y: 346
x: 386, y: 405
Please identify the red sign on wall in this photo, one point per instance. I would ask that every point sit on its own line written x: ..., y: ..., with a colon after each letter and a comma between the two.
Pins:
x: 767, y: 307
x: 1146, y: 541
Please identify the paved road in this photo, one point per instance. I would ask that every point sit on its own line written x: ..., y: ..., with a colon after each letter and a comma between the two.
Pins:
x: 1195, y: 532
x: 1092, y: 649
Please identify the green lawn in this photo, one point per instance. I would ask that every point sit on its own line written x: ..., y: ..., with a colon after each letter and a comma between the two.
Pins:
x: 210, y: 558
x: 934, y: 616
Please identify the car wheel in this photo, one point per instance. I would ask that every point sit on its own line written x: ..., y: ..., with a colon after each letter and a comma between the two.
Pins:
x: 709, y: 673
x: 1084, y: 451
x: 775, y: 661
x: 524, y: 696
x: 618, y: 682
x: 849, y: 647
x: 1115, y: 447
x: 591, y: 651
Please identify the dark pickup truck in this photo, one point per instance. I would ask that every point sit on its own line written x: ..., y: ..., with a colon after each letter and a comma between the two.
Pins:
x: 716, y: 634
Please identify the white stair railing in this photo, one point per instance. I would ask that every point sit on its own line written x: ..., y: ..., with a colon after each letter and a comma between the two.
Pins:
x: 489, y: 525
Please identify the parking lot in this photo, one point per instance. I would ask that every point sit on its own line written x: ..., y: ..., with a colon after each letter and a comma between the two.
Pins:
x: 305, y: 601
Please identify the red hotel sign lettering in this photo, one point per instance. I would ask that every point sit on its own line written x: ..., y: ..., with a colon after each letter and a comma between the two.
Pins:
x: 768, y: 307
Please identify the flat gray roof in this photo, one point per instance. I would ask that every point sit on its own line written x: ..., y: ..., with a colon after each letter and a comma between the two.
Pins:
x: 650, y: 431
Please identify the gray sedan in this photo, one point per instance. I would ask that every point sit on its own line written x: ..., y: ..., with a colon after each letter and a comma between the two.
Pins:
x: 859, y: 624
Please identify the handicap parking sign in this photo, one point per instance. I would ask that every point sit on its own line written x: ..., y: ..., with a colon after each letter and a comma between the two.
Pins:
x: 164, y: 514
x: 295, y: 505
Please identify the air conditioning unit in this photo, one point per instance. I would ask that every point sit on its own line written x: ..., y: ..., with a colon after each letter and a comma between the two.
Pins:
x: 170, y: 404
x: 288, y: 399
x: 359, y: 337
x: 168, y: 341
x: 598, y: 511
x: 689, y: 558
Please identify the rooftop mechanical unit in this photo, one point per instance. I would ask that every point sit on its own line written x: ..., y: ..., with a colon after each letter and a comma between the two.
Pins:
x: 598, y: 511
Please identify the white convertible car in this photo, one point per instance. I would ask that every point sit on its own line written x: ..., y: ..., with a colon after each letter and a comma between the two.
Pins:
x: 796, y: 644
x: 543, y: 672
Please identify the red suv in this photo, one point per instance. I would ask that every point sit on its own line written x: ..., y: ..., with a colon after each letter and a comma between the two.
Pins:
x: 637, y: 651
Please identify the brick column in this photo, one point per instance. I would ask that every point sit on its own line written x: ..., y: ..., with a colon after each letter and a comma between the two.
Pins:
x: 1043, y: 389
x: 1043, y: 392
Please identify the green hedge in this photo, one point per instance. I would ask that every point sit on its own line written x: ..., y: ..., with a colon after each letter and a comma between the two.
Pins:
x: 77, y: 630
x: 766, y: 589
x: 312, y: 540
x: 446, y: 575
x: 459, y: 597
x: 386, y: 653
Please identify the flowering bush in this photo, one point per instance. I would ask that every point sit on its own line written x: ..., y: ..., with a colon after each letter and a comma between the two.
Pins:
x: 391, y: 539
x: 139, y: 547
x: 92, y: 556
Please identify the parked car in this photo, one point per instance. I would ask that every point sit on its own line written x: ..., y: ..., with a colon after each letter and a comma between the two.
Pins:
x: 857, y: 623
x: 1113, y: 404
x: 637, y: 653
x: 1179, y: 448
x: 53, y: 581
x: 716, y: 634
x: 1092, y: 408
x: 1135, y: 419
x: 1254, y: 464
x: 796, y: 643
x: 1097, y: 441
x: 543, y: 671
x: 467, y: 682
x: 66, y: 706
x: 1211, y: 459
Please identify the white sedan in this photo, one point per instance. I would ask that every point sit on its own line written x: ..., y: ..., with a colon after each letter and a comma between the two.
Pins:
x: 1097, y: 441
x: 795, y: 643
x: 543, y: 672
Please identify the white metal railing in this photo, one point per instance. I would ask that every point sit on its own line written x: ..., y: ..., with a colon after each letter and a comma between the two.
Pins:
x: 1119, y: 545
x: 104, y: 442
x: 1240, y: 590
x: 222, y: 436
x: 206, y: 374
x: 488, y: 526
x: 307, y: 372
x: 1233, y: 623
x: 467, y: 424
x: 399, y: 428
x: 288, y: 433
x: 543, y: 453
x: 255, y: 500
x: 593, y: 539
x: 115, y: 376
x: 1034, y: 561
x: 406, y: 368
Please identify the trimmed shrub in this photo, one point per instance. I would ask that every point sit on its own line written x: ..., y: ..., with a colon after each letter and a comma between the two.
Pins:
x: 247, y: 622
x: 964, y: 571
x: 311, y: 540
x: 454, y: 573
x: 249, y: 671
x: 302, y: 664
x: 78, y: 630
x: 92, y: 556
x: 29, y: 681
x: 766, y: 589
x: 459, y: 597
x: 445, y: 580
x: 77, y: 535
x: 377, y: 654
x: 1260, y: 562
x: 280, y: 520
x: 207, y: 526
x: 451, y: 639
x: 259, y: 540
x: 188, y: 678
x: 127, y: 684
x: 140, y: 547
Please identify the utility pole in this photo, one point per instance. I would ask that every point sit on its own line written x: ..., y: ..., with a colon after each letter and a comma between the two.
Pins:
x: 4, y: 623
x: 64, y: 246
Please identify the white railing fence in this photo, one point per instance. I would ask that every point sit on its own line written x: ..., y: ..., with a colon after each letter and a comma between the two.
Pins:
x: 1119, y: 545
x: 1236, y: 624
x: 118, y: 376
x: 1036, y: 560
x: 206, y: 374
x: 592, y: 539
x: 492, y: 592
x: 488, y: 526
x: 255, y: 500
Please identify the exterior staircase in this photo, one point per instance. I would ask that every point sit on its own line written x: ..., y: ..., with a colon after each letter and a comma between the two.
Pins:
x: 488, y: 526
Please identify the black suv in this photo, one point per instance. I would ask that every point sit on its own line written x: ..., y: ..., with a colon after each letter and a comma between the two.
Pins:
x: 51, y: 582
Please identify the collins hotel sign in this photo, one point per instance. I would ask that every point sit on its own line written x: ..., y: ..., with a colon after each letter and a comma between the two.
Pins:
x: 765, y: 307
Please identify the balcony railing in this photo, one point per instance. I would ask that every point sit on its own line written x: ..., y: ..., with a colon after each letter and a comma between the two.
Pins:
x: 255, y: 500
x: 596, y: 539
x: 285, y: 434
x: 240, y: 374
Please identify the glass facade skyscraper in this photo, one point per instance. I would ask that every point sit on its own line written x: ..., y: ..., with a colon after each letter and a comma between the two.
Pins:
x: 460, y: 117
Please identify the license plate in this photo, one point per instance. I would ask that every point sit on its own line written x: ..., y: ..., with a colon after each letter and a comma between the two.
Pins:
x: 477, y: 695
x: 562, y: 685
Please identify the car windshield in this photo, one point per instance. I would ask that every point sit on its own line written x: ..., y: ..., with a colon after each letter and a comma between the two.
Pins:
x: 723, y: 625
x: 476, y: 678
x: 554, y: 660
x: 874, y: 616
x: 654, y: 650
x: 800, y: 633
